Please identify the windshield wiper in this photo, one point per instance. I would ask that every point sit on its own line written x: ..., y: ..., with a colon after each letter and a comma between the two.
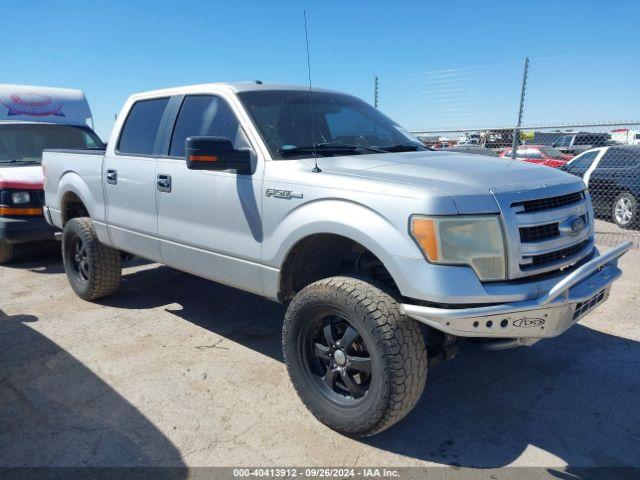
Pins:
x: 328, y: 148
x: 404, y: 147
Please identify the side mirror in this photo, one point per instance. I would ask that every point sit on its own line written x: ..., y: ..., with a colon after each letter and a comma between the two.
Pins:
x: 216, y: 153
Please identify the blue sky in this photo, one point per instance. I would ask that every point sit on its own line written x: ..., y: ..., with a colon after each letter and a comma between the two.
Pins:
x: 440, y: 64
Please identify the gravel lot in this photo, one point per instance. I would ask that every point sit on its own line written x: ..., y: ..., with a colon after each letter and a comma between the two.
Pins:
x: 175, y: 370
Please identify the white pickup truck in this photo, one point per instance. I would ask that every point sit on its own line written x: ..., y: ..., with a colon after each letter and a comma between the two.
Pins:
x: 382, y: 249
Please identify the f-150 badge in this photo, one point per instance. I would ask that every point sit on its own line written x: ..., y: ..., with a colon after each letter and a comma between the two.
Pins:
x: 286, y: 194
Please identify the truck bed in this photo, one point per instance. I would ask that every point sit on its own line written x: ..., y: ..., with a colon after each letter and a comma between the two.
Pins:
x: 81, y: 171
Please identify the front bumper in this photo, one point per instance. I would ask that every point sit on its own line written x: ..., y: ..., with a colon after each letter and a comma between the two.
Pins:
x: 549, y: 315
x: 25, y: 229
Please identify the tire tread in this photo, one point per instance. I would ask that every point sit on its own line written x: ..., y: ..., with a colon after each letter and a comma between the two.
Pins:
x: 6, y: 252
x: 399, y: 337
x: 106, y: 262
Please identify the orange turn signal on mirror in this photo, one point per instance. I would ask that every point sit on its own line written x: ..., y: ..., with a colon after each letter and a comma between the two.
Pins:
x: 203, y: 158
x: 424, y: 232
x: 20, y: 211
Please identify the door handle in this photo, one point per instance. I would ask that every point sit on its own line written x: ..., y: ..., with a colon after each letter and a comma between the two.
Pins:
x: 164, y: 183
x: 112, y: 176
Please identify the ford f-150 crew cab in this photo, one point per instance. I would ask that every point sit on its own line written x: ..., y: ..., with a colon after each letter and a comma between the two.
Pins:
x: 379, y: 247
x: 32, y: 119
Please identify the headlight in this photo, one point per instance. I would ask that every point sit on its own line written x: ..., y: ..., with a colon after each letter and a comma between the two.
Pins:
x: 20, y: 198
x: 472, y: 240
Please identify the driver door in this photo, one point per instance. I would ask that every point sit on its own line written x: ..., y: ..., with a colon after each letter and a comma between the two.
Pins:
x: 209, y: 222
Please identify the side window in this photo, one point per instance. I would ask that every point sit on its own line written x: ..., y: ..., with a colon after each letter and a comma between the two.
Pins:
x: 205, y: 115
x: 141, y: 127
x: 584, y: 161
x: 616, y: 158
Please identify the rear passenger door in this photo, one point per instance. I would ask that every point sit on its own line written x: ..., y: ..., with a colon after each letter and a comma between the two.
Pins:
x: 129, y: 179
x: 606, y: 180
x: 209, y: 222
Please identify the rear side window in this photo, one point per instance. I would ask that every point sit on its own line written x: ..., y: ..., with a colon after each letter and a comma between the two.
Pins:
x: 141, y: 127
x: 618, y: 158
x: 205, y: 115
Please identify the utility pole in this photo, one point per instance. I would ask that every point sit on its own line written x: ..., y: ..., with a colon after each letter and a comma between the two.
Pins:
x: 516, y: 131
x: 375, y: 93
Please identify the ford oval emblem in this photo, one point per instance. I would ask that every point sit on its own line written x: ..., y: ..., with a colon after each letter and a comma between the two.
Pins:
x: 525, y: 322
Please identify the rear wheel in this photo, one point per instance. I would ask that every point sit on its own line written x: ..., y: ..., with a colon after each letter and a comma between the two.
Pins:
x: 625, y: 210
x: 93, y: 269
x: 356, y: 362
x: 6, y: 252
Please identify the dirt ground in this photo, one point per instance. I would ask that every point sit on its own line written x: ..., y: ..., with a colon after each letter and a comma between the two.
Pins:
x: 176, y: 370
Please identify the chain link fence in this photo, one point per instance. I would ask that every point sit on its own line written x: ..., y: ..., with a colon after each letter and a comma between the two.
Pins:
x: 551, y: 92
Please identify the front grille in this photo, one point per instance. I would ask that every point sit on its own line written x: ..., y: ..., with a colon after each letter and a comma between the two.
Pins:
x: 538, y: 241
x: 539, y: 232
x: 552, y: 257
x: 549, y: 203
x: 584, y: 307
x: 37, y: 197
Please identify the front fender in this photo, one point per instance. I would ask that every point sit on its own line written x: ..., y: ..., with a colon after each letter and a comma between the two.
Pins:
x: 352, y: 220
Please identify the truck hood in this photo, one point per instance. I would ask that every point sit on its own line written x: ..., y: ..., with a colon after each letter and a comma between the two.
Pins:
x: 470, y: 180
x: 26, y: 177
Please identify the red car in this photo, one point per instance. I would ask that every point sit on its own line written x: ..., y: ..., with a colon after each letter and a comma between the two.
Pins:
x: 540, y: 154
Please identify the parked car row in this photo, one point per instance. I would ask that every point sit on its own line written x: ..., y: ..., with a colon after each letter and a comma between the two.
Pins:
x: 565, y: 141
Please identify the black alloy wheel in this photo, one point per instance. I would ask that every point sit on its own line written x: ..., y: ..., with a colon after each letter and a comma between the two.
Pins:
x: 337, y: 358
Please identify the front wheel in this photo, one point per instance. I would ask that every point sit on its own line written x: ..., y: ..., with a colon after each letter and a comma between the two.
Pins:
x: 93, y: 269
x: 357, y: 363
x: 625, y: 210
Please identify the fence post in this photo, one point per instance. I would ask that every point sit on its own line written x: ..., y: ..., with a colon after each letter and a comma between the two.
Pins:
x: 516, y: 131
x: 375, y: 93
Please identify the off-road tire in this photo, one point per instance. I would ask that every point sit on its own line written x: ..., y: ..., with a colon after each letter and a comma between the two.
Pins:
x: 104, y: 264
x: 396, y: 347
x: 633, y: 205
x: 6, y: 252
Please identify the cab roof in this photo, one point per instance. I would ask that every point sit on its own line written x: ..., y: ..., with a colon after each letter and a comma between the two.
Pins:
x: 235, y: 87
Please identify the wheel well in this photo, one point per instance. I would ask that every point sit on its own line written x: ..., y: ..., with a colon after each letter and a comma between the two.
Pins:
x: 327, y: 255
x: 72, y: 207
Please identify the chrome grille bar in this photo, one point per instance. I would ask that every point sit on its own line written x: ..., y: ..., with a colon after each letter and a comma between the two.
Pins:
x: 536, y: 223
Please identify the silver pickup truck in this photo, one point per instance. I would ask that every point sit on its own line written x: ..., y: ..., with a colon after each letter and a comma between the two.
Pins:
x: 382, y: 250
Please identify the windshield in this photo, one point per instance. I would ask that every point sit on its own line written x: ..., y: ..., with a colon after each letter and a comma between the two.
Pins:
x: 24, y: 142
x: 551, y: 152
x: 283, y: 118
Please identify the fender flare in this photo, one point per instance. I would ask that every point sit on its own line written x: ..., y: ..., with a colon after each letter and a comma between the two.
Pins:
x: 71, y: 182
x: 345, y: 218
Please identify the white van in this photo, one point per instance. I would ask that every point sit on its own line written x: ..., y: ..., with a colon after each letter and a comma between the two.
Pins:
x: 32, y: 119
